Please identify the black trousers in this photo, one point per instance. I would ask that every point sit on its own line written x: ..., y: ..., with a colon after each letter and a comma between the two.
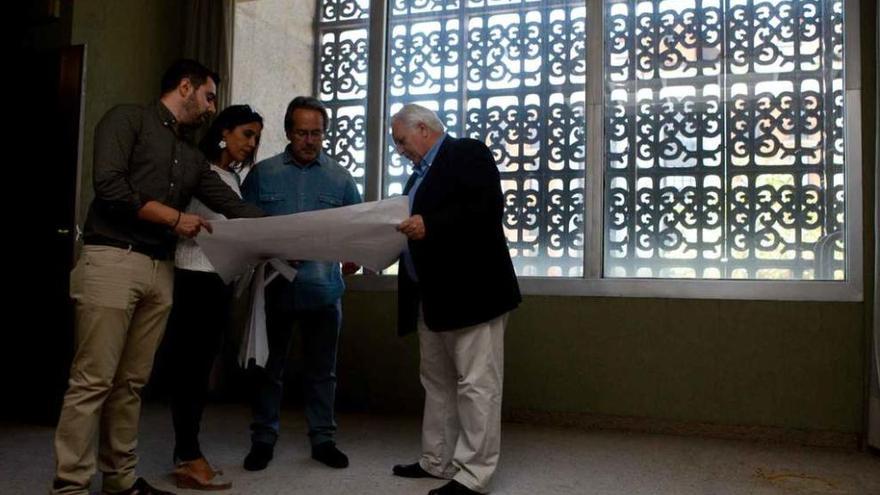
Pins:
x: 198, y: 321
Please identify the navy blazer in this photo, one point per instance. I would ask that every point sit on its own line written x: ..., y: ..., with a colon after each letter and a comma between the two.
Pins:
x: 463, y: 264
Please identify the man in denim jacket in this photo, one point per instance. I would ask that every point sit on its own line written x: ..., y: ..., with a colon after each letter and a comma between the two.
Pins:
x: 301, y: 178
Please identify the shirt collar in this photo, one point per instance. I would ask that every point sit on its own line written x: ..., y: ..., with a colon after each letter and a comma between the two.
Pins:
x: 421, y: 168
x: 170, y: 121
x: 290, y: 160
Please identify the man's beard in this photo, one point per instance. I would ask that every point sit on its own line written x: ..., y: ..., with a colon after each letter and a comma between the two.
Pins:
x: 194, y: 117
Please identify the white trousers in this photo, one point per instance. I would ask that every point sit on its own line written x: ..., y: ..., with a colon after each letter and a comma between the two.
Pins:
x: 462, y: 372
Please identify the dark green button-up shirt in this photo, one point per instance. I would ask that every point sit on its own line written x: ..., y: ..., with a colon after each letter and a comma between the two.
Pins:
x: 142, y: 154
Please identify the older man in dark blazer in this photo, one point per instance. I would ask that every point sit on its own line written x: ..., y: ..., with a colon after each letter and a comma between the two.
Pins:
x: 456, y: 287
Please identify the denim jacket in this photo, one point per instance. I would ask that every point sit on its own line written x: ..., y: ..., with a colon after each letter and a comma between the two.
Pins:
x: 280, y: 187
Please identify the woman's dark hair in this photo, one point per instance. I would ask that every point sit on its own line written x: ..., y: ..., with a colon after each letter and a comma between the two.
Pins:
x: 227, y: 120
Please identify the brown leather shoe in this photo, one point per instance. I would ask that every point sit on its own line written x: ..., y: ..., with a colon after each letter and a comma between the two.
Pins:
x: 199, y: 475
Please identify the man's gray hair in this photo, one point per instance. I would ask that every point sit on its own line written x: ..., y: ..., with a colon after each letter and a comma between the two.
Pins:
x: 411, y: 115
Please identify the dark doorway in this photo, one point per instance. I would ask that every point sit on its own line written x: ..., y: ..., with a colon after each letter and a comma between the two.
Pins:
x: 43, y: 182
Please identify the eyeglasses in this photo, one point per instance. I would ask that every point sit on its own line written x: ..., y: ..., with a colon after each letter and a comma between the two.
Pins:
x: 302, y: 134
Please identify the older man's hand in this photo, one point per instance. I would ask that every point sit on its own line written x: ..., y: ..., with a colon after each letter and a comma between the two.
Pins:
x: 413, y: 227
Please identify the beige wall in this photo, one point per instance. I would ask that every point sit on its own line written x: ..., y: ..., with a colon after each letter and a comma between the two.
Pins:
x: 272, y: 61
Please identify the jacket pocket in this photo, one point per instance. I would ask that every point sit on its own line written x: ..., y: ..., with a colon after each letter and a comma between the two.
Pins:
x: 329, y: 201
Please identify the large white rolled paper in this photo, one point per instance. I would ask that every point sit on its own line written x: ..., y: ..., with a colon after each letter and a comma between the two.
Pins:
x: 365, y: 234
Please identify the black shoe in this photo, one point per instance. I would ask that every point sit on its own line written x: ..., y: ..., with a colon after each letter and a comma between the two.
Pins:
x: 141, y: 487
x: 327, y: 453
x: 259, y: 456
x: 413, y: 470
x: 453, y: 488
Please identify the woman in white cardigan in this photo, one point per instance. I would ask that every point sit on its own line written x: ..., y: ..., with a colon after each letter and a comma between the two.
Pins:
x: 202, y: 301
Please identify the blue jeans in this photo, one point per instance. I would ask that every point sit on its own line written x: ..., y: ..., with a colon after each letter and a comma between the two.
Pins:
x: 320, y: 331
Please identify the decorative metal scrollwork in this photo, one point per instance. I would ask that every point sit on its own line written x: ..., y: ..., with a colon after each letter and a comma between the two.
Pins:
x: 724, y: 138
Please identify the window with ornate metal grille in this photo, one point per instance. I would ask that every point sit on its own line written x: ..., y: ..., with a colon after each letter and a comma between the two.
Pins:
x: 719, y: 144
x: 724, y: 139
x: 510, y: 73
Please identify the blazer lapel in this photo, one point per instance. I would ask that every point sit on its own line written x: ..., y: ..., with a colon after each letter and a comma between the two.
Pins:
x: 409, y: 184
x: 438, y: 160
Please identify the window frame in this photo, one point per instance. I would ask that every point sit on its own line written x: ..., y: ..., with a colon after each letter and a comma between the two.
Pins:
x: 593, y: 283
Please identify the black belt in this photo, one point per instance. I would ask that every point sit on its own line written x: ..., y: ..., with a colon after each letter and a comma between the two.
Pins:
x: 155, y: 252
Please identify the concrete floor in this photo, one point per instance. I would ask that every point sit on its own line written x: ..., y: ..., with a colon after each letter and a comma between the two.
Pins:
x: 534, y: 460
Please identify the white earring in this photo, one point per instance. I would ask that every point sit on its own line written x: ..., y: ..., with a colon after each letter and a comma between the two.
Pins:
x: 222, y: 144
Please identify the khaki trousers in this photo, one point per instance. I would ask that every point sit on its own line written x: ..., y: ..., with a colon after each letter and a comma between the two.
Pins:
x: 122, y: 300
x: 462, y: 372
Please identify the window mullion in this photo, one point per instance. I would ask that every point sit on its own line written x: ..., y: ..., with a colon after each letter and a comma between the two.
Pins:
x: 375, y: 118
x: 595, y: 153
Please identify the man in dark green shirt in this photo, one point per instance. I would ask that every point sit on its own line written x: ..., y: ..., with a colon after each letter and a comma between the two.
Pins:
x: 146, y: 170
